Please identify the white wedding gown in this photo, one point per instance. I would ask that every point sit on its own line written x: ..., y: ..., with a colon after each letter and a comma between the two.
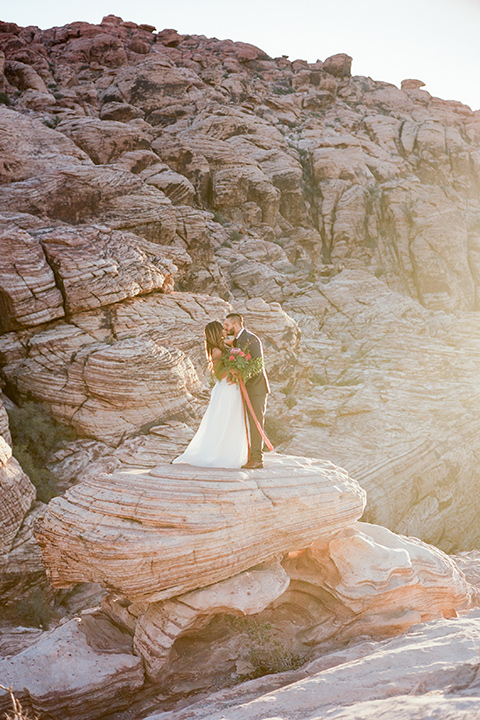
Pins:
x: 221, y: 440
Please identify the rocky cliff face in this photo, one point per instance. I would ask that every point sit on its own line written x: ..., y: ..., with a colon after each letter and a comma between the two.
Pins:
x: 135, y: 159
x: 151, y: 181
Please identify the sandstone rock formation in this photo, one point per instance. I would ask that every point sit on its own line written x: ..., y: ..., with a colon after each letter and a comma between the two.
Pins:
x: 20, y: 558
x: 21, y: 568
x: 407, y: 677
x: 133, y: 159
x: 91, y: 670
x: 179, y: 547
x: 17, y: 494
x: 365, y: 582
x: 83, y: 371
x: 160, y: 625
x: 87, y: 534
x: 149, y: 182
x: 387, y: 368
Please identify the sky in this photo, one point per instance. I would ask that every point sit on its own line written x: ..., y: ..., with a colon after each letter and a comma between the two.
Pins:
x: 435, y: 41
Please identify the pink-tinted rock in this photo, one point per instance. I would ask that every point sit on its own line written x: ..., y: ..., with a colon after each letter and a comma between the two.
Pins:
x: 120, y: 111
x: 338, y: 65
x: 28, y: 291
x: 411, y: 84
x: 16, y: 491
x: 98, y: 266
x: 153, y: 84
x: 190, y: 542
x: 27, y: 147
x: 24, y: 77
x: 91, y: 670
x: 104, y: 141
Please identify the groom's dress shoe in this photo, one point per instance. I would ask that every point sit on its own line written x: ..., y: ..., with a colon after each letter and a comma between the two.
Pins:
x: 253, y: 465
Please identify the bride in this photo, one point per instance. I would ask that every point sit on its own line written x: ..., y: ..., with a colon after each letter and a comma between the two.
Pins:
x: 221, y: 440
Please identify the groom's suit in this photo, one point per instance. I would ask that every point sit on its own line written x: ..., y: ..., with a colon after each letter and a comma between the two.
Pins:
x: 257, y: 389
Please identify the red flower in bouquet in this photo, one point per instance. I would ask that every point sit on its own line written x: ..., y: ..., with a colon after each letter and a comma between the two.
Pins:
x: 241, y: 365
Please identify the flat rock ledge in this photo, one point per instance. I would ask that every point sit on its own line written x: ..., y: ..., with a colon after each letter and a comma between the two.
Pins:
x: 81, y: 670
x: 154, y: 535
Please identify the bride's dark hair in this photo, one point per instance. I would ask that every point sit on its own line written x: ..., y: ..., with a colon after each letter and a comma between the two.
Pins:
x: 213, y: 339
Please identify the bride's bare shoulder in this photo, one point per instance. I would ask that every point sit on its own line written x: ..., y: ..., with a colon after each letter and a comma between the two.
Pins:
x: 216, y: 354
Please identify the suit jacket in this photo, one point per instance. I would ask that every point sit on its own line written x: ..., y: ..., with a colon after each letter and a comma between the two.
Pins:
x: 250, y: 343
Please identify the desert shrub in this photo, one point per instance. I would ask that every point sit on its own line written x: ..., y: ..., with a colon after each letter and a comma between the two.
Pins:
x: 347, y: 380
x: 277, y: 430
x: 266, y: 653
x: 36, y: 435
x: 235, y: 235
x: 283, y: 88
x: 4, y: 99
x: 319, y: 378
x: 218, y: 217
x: 40, y: 477
x: 52, y: 122
x: 33, y: 610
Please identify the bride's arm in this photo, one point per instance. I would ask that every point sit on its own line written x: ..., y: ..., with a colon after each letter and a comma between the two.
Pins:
x: 218, y: 369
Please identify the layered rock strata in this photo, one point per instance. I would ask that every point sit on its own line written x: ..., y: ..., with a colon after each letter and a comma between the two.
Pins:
x: 158, y: 626
x: 365, y: 582
x: 84, y: 668
x: 132, y: 160
x: 20, y: 557
x: 431, y: 669
x: 128, y: 152
x: 17, y: 492
x: 152, y: 536
x: 178, y: 547
x: 387, y: 368
x: 114, y: 370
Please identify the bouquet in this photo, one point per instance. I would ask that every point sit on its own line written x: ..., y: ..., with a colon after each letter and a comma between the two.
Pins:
x: 241, y: 365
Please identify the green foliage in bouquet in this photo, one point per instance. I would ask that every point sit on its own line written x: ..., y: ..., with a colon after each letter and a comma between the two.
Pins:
x: 241, y: 365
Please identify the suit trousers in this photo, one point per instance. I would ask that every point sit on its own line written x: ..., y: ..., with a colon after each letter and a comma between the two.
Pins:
x: 259, y: 404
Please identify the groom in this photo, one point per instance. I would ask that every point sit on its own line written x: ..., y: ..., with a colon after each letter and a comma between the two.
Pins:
x: 257, y: 387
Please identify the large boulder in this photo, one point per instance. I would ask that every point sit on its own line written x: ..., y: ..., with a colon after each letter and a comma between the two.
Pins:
x: 154, y: 84
x: 97, y: 266
x: 365, y: 581
x: 104, y: 528
x: 280, y: 544
x: 91, y: 670
x: 104, y: 140
x: 28, y: 147
x: 28, y: 292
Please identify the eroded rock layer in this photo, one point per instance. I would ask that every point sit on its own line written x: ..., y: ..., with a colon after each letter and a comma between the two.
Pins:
x: 85, y: 668
x: 405, y: 677
x: 158, y: 534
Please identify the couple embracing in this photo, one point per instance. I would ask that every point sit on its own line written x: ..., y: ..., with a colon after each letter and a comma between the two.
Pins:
x: 231, y: 432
